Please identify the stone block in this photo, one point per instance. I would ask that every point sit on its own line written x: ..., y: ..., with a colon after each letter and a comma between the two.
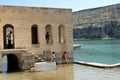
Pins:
x: 45, y: 66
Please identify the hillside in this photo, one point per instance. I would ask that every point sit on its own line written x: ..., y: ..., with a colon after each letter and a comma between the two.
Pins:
x: 99, y: 22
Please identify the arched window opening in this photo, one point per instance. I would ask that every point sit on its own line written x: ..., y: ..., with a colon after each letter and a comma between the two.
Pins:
x: 8, y: 33
x: 10, y: 63
x: 61, y: 34
x: 34, y: 34
x: 48, y: 35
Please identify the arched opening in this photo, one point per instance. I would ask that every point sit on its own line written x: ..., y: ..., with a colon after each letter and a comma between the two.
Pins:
x: 13, y: 64
x: 34, y: 34
x: 61, y: 30
x: 8, y: 34
x: 48, y: 35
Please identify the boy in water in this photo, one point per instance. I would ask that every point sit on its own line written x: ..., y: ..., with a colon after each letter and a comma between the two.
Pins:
x: 53, y: 57
x: 64, y: 58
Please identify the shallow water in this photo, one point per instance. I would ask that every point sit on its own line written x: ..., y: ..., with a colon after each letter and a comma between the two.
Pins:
x: 70, y: 72
x: 62, y: 73
x: 82, y: 72
x: 99, y: 51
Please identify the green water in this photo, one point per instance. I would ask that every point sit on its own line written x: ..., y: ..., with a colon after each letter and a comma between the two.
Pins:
x: 99, y: 51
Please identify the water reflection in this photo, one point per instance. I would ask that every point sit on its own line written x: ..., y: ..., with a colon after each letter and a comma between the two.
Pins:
x: 62, y: 73
x: 82, y: 72
x: 70, y: 72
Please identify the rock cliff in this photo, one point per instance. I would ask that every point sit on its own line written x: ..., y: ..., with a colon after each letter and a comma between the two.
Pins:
x: 97, y: 23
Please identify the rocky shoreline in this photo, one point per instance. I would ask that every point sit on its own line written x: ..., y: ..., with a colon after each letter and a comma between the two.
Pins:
x: 97, y: 23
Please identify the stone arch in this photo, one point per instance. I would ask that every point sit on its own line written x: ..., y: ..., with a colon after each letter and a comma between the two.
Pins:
x: 34, y: 34
x: 61, y: 30
x: 6, y: 29
x: 48, y: 29
x: 13, y: 64
x: 10, y: 63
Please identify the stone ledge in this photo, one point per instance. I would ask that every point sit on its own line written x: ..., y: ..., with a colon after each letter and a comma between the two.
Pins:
x: 99, y: 65
x: 45, y: 66
x: 13, y: 50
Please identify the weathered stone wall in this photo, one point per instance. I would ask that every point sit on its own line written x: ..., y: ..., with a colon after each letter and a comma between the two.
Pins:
x: 22, y: 19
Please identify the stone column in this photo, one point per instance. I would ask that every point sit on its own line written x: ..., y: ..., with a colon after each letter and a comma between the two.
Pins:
x: 0, y: 62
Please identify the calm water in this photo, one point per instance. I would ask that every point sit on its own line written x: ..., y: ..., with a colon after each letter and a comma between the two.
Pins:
x: 100, y: 51
x: 61, y: 73
x: 70, y: 72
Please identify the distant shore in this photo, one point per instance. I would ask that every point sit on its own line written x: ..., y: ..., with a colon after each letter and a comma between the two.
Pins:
x: 95, y: 39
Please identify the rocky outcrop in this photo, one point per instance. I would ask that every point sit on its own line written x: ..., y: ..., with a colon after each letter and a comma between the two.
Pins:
x: 97, y: 23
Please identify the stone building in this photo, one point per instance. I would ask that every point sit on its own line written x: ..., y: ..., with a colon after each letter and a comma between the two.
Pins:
x: 29, y: 26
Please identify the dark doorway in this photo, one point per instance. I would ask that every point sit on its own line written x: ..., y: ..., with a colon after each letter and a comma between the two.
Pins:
x: 6, y: 30
x: 34, y: 34
x: 13, y: 64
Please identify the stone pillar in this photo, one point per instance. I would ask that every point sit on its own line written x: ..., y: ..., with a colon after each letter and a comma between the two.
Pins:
x: 0, y: 62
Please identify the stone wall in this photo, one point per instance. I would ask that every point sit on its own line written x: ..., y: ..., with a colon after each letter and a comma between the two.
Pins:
x: 22, y: 19
x: 25, y: 59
